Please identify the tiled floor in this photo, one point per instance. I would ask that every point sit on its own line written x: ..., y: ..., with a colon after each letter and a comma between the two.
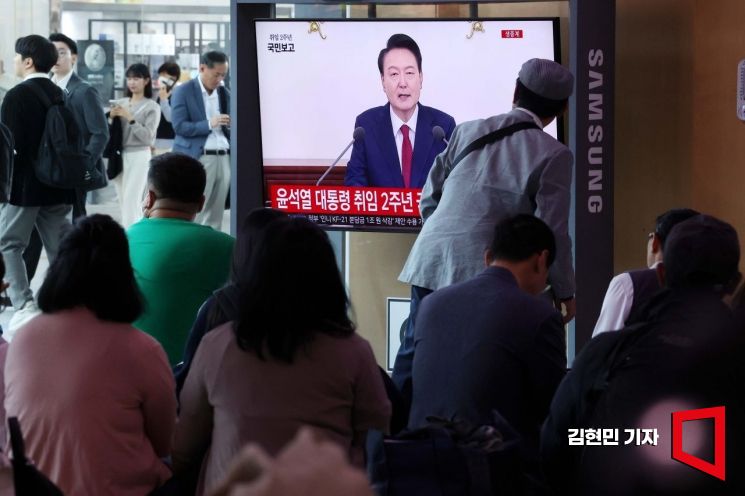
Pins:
x: 101, y: 202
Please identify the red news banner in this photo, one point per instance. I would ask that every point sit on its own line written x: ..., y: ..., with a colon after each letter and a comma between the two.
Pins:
x: 349, y: 205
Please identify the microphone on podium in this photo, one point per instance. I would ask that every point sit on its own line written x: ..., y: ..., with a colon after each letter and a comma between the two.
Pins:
x: 358, y: 134
x: 439, y: 134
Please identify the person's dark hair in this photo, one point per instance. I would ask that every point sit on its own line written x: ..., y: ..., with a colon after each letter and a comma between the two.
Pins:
x: 540, y: 106
x: 38, y: 49
x: 93, y: 269
x: 61, y: 38
x: 666, y: 221
x: 290, y: 290
x: 213, y: 57
x: 140, y: 71
x: 170, y: 68
x: 177, y: 177
x: 520, y: 237
x: 702, y: 252
x: 2, y: 268
x: 400, y: 41
x: 251, y: 235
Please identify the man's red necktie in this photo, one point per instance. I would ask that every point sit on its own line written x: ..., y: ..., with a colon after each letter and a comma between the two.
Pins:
x: 406, y: 153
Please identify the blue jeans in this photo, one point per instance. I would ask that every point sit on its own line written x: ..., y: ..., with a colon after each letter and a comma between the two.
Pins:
x: 402, y: 367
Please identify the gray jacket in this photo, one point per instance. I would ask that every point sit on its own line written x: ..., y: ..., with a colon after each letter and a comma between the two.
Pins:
x: 527, y: 172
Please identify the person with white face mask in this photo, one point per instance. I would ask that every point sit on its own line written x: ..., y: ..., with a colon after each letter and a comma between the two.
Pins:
x: 169, y: 74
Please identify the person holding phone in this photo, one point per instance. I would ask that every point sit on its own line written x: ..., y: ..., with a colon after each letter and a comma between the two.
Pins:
x: 139, y: 116
x: 169, y: 74
x: 202, y: 126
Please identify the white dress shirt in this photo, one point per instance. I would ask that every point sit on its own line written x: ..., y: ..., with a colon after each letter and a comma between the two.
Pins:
x: 396, y: 122
x: 36, y: 75
x: 216, y: 139
x: 62, y: 83
x: 534, y: 116
x: 617, y: 304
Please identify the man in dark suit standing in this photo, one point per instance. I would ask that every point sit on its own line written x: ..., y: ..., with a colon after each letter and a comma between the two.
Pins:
x: 84, y: 102
x: 491, y: 343
x: 32, y: 203
x: 399, y: 147
x: 199, y: 114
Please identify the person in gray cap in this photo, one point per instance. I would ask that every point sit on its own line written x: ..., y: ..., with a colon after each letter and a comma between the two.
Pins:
x: 685, y: 353
x: 493, y: 168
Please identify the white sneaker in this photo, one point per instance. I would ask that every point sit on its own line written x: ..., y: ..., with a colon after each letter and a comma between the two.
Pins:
x: 27, y: 312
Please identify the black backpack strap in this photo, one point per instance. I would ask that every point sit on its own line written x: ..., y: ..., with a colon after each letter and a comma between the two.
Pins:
x: 16, y: 441
x: 493, y: 137
x: 41, y: 94
x: 222, y: 99
x: 611, y: 361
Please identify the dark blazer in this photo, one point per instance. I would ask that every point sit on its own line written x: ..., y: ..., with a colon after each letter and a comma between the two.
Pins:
x: 24, y: 114
x: 686, y: 353
x: 374, y: 160
x: 114, y: 149
x: 165, y: 128
x: 486, y: 345
x: 85, y: 103
x: 189, y: 118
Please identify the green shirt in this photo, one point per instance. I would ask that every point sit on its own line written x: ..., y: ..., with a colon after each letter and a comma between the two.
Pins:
x: 177, y: 264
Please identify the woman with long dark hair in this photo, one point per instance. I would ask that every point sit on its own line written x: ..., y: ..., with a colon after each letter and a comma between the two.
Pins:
x: 94, y: 396
x: 291, y: 358
x: 223, y: 305
x: 139, y: 116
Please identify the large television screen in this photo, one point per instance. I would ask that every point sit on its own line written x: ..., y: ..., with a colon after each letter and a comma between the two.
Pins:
x: 320, y: 83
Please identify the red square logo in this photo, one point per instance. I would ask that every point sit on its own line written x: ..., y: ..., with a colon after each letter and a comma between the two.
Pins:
x: 715, y: 469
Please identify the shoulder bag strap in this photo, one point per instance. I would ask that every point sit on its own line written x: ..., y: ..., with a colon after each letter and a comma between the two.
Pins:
x: 493, y: 137
x: 18, y: 447
x: 40, y: 93
x: 222, y: 99
x: 614, y: 359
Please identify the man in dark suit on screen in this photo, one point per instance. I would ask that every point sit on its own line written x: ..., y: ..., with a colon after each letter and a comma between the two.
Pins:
x: 399, y: 148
